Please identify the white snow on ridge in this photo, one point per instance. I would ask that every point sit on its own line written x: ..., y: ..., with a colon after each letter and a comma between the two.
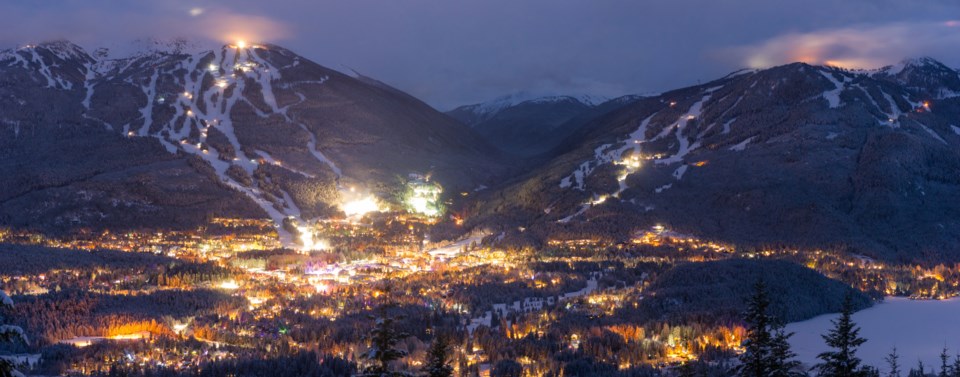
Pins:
x: 895, y: 110
x: 604, y: 154
x: 486, y: 110
x: 742, y: 145
x: 678, y: 174
x: 932, y: 133
x: 833, y: 96
x: 230, y: 68
x: 685, y: 145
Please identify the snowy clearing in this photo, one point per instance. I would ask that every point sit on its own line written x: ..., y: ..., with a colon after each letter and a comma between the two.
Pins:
x: 918, y: 328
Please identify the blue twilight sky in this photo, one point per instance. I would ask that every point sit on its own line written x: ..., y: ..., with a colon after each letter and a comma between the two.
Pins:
x: 452, y: 52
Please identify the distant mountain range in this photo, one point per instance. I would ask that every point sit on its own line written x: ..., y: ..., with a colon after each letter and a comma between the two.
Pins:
x: 797, y: 155
x: 524, y: 125
x: 170, y: 135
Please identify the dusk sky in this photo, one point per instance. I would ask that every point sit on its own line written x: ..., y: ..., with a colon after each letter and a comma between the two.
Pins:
x: 450, y: 53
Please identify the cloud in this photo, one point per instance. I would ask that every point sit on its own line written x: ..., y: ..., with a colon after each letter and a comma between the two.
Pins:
x: 95, y: 23
x: 450, y: 53
x: 865, y: 46
x: 225, y: 26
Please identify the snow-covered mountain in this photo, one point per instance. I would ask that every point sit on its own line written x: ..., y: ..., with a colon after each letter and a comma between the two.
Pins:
x: 526, y: 125
x: 174, y: 133
x: 796, y: 154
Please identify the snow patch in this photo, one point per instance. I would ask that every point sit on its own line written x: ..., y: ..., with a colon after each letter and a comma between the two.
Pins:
x: 742, y: 145
x: 932, y: 133
x: 678, y: 174
x: 833, y: 96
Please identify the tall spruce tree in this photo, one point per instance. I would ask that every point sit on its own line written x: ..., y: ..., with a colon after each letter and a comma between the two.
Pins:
x: 781, y: 356
x: 766, y: 349
x: 383, y: 340
x: 956, y: 366
x: 843, y: 339
x: 438, y: 359
x: 919, y: 372
x: 756, y: 347
x: 893, y: 363
x: 944, y: 363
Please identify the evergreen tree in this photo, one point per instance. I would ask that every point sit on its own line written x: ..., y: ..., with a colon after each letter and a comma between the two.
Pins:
x: 944, y: 366
x: 843, y: 339
x: 956, y: 366
x: 893, y: 362
x: 767, y: 349
x: 756, y: 354
x: 382, y: 352
x: 438, y: 360
x: 781, y: 363
x: 9, y: 334
x: 919, y: 372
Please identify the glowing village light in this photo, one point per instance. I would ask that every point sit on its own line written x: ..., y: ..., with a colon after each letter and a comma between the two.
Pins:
x: 361, y: 206
x: 309, y: 243
x: 423, y: 197
x: 229, y: 284
x: 179, y: 327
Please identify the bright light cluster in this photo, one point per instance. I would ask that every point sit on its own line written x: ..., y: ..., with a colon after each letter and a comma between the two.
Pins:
x: 361, y: 206
x: 229, y: 284
x: 308, y: 243
x: 423, y: 197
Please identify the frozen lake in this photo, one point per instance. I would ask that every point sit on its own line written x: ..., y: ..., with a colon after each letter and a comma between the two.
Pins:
x: 918, y: 328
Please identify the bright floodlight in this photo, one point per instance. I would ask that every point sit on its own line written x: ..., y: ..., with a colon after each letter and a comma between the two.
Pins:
x: 242, y: 44
x: 361, y: 207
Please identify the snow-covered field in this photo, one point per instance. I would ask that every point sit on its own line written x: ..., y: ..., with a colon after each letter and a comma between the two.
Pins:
x: 918, y: 328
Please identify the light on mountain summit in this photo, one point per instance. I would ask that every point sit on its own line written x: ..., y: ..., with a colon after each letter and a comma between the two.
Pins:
x: 241, y: 44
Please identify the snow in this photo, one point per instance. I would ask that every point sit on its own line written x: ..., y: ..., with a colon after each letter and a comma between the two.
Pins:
x: 918, y: 328
x: 312, y: 146
x: 583, y: 208
x: 832, y: 96
x: 14, y: 331
x: 895, y: 110
x: 591, y: 286
x: 147, y: 111
x: 955, y: 129
x: 218, y: 101
x: 679, y: 172
x: 743, y: 144
x: 726, y: 125
x: 486, y: 110
x: 685, y: 146
x: 663, y: 188
x: 587, y: 167
x: 487, y: 317
x: 5, y: 299
x: 455, y: 248
x: 932, y: 133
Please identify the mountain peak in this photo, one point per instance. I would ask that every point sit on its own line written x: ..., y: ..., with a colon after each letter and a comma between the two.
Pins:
x: 925, y: 63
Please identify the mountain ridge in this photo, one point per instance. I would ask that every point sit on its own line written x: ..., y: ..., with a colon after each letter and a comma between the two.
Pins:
x: 814, y: 146
x: 295, y: 138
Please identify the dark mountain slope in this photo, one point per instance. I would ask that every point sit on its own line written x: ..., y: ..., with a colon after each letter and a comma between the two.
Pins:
x: 797, y: 155
x: 169, y: 137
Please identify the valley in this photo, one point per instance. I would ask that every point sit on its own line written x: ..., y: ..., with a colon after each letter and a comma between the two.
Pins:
x: 188, y: 211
